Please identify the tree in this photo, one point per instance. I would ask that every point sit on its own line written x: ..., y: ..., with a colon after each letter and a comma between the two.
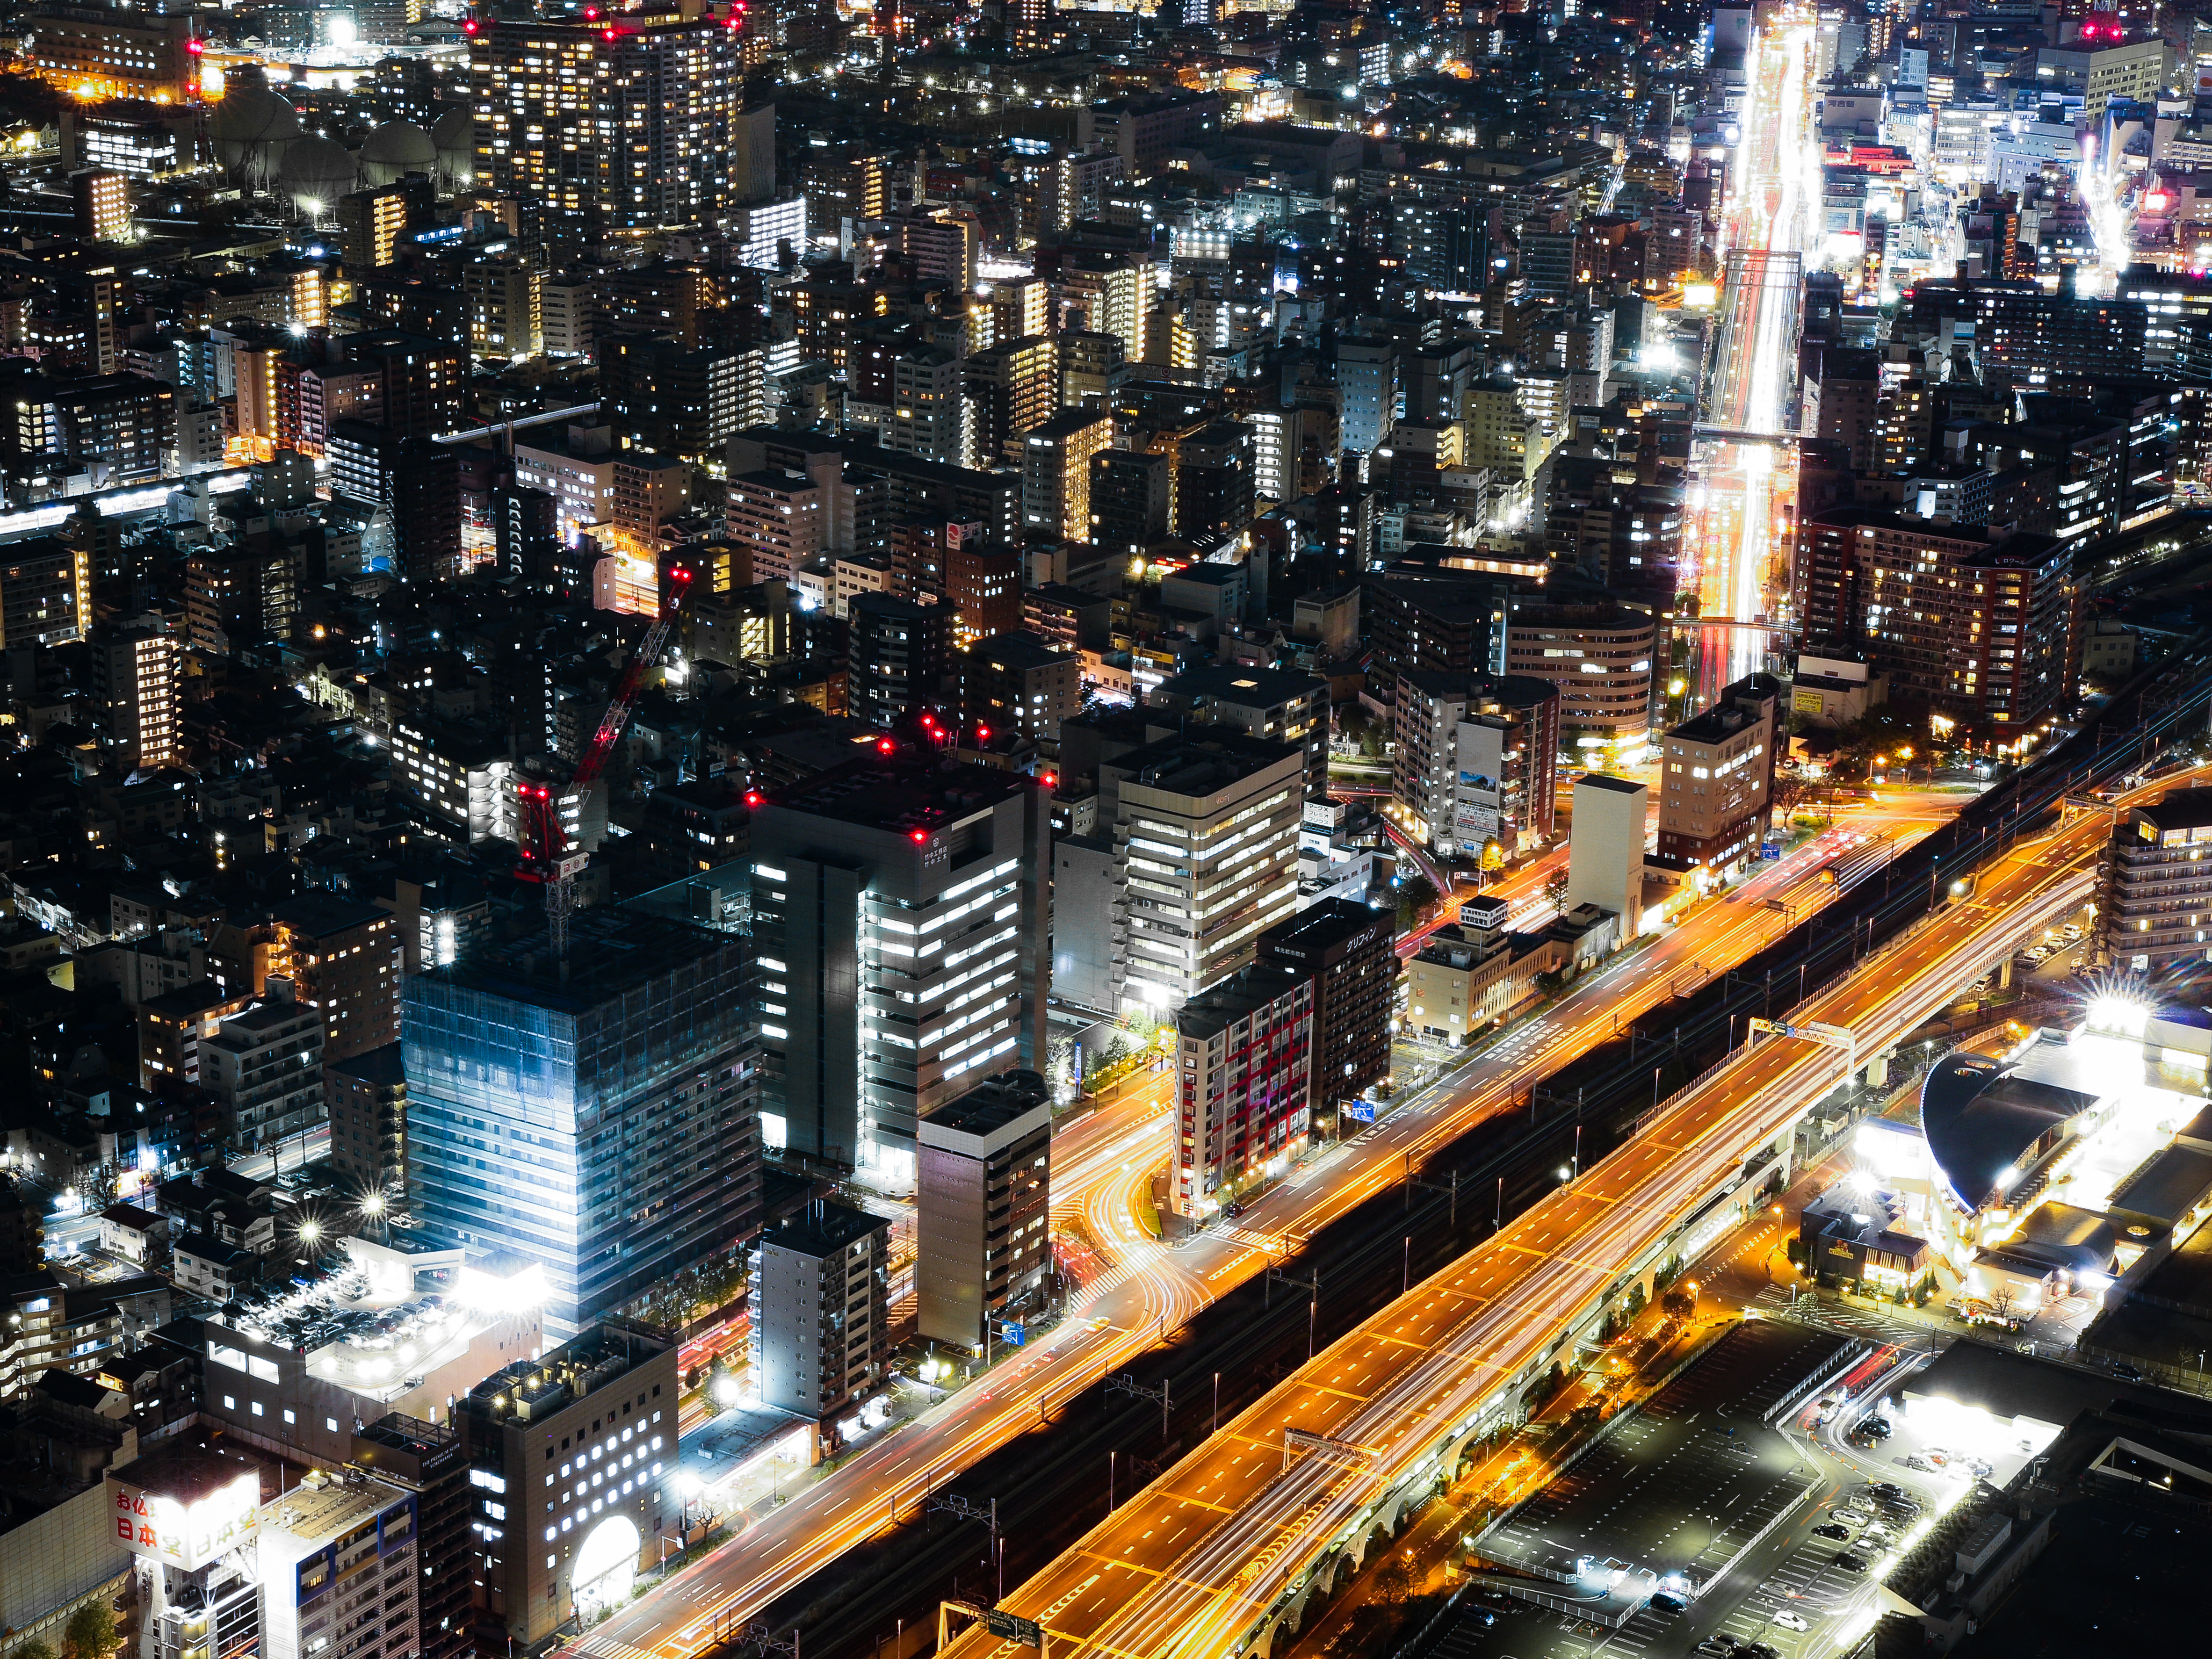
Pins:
x: 1555, y: 887
x: 34, y: 1648
x: 1394, y: 1579
x: 2003, y: 1301
x: 90, y: 1633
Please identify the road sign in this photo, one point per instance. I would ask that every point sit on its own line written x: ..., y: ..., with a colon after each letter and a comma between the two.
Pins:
x: 1360, y: 1111
x: 1011, y: 1332
x: 1008, y: 1628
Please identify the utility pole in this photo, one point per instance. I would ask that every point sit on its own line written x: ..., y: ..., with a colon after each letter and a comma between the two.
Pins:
x: 1312, y: 1285
x: 1450, y: 1188
x: 1122, y: 1382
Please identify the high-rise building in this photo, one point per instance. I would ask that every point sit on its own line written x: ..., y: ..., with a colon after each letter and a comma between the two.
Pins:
x: 135, y: 671
x: 238, y: 595
x: 983, y: 1207
x: 1973, y: 620
x: 1015, y: 681
x: 1716, y: 779
x: 98, y: 52
x: 900, y: 914
x: 596, y: 1116
x: 1349, y: 952
x: 1367, y: 384
x: 569, y: 1459
x: 1600, y: 658
x: 2153, y: 902
x: 342, y: 957
x: 1195, y: 855
x: 1214, y: 492
x: 899, y: 655
x: 929, y: 413
x: 371, y: 223
x: 264, y: 1068
x: 45, y: 594
x: 1282, y: 704
x: 983, y: 587
x: 367, y: 1098
x: 776, y: 517
x: 1012, y: 386
x: 1056, y: 473
x: 1129, y: 494
x: 417, y: 482
x: 631, y: 120
x: 1450, y: 621
x: 1476, y: 760
x: 1244, y: 1056
x: 821, y: 1326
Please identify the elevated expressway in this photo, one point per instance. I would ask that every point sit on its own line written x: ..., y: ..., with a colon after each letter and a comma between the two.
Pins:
x: 1220, y: 1555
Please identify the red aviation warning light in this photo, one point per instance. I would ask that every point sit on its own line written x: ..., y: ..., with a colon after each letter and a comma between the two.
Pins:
x: 918, y: 837
x: 752, y: 797
x: 884, y: 745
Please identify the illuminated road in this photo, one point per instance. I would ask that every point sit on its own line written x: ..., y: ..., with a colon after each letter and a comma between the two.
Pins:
x: 1102, y: 1164
x: 1191, y: 1566
x: 1747, y: 490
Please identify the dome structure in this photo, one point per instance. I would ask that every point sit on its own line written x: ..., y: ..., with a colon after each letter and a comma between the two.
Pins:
x: 314, y: 172
x: 394, y: 150
x: 252, y: 130
x: 454, y: 136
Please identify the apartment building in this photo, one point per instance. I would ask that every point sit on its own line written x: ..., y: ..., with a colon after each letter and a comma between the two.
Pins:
x: 1716, y: 779
x: 982, y: 1208
x: 1476, y: 759
x: 1243, y: 1080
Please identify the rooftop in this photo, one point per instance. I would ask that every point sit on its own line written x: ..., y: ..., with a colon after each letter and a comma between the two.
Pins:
x: 897, y: 792
x: 989, y: 1106
x: 2180, y: 809
x: 1231, y: 683
x: 823, y: 1229
x: 611, y: 953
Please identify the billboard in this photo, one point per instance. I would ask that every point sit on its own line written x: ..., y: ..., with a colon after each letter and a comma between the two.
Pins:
x: 191, y: 1535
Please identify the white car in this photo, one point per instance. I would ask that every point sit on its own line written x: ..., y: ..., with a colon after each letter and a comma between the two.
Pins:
x: 1789, y: 1621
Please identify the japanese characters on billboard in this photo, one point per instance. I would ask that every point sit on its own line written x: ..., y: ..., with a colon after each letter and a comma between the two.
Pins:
x: 186, y: 1535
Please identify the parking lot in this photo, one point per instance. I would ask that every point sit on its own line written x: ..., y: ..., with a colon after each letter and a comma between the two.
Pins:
x: 1697, y: 1490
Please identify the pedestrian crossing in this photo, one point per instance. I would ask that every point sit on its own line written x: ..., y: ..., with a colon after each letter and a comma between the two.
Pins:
x: 1849, y: 1319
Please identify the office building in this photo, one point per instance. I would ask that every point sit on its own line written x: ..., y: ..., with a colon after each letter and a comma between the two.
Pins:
x: 1243, y: 1064
x: 98, y: 52
x: 1600, y: 657
x: 2153, y: 895
x: 543, y: 1098
x: 426, y: 1459
x: 1476, y: 760
x: 188, y: 1515
x: 135, y: 673
x: 1605, y: 849
x: 928, y: 410
x: 983, y: 1208
x: 1716, y: 779
x: 983, y: 586
x: 900, y: 913
x: 821, y: 1331
x: 633, y: 121
x: 1349, y: 953
x: 1056, y: 474
x: 1367, y: 388
x: 899, y: 656
x: 1971, y: 620
x: 1016, y: 682
x: 1194, y: 856
x: 1470, y: 974
x: 263, y: 1067
x: 597, y: 1415
x: 1453, y: 621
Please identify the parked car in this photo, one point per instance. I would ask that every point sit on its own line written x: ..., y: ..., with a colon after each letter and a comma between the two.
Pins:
x: 1667, y: 1601
x: 2127, y: 1372
x: 1830, y: 1529
x: 1851, y: 1563
x: 1789, y: 1621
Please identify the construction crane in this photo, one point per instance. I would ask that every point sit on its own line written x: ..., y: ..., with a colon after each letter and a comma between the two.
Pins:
x: 544, y: 843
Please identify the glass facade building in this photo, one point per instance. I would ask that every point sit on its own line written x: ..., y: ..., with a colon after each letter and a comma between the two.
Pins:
x: 597, y: 1119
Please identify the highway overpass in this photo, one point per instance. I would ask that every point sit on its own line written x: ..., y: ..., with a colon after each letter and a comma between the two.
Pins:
x: 1221, y: 1555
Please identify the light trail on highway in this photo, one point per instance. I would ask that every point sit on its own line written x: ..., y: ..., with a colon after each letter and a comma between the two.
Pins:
x: 1149, y: 1289
x: 1186, y: 1569
x: 1746, y: 491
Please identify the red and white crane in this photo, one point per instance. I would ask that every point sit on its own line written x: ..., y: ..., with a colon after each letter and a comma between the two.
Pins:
x: 544, y: 843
